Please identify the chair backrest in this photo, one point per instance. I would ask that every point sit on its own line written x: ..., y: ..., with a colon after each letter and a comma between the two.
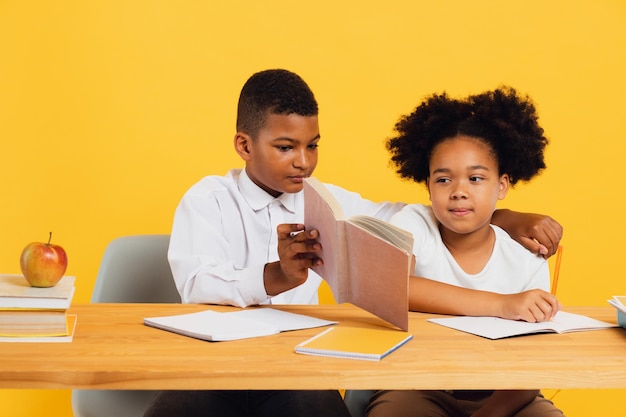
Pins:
x: 134, y: 269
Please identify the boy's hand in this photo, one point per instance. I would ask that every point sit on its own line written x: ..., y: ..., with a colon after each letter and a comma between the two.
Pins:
x: 532, y: 306
x: 538, y: 233
x: 542, y: 236
x: 297, y: 251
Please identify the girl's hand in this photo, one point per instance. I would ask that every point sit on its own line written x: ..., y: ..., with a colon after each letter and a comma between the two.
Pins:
x: 532, y: 306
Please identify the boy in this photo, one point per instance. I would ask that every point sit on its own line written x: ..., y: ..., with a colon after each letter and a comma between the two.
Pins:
x: 232, y: 241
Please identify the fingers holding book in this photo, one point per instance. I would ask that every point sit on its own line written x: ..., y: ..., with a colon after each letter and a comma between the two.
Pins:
x: 297, y: 251
x: 295, y: 242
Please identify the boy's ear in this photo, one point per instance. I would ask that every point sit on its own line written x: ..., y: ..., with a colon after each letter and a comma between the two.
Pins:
x: 243, y: 144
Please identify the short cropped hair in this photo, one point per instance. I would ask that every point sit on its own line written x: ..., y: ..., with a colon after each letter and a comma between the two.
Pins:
x: 503, y: 119
x: 274, y: 91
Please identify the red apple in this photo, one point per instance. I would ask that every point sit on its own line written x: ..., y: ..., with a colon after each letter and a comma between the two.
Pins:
x: 43, y: 264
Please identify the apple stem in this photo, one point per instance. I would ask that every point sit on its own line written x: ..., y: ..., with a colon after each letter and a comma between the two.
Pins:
x: 49, y: 238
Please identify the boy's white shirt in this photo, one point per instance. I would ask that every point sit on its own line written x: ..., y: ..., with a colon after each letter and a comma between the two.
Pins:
x: 224, y: 233
x: 511, y: 268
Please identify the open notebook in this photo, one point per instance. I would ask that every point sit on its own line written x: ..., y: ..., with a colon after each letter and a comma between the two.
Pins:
x: 498, y: 328
x: 215, y: 326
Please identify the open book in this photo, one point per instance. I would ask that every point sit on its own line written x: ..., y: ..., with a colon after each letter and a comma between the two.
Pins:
x: 354, y: 343
x: 619, y: 302
x: 367, y: 261
x: 498, y: 328
x: 214, y: 326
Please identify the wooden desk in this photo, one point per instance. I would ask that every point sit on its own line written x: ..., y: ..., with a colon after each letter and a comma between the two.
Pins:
x: 112, y: 349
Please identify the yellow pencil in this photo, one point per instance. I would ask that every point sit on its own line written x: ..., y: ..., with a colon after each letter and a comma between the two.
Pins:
x: 557, y: 266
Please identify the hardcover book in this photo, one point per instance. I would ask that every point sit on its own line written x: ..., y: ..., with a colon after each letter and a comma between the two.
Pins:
x: 367, y: 261
x: 33, y: 322
x: 45, y: 336
x: 16, y: 292
x: 32, y: 313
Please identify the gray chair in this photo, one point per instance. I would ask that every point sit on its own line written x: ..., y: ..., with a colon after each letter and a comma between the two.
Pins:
x: 356, y: 400
x: 134, y: 269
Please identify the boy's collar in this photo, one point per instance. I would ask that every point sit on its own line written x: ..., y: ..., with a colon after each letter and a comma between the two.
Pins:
x: 258, y: 198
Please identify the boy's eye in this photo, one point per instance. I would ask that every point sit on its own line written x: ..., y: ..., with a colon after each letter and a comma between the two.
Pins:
x: 313, y: 146
x: 283, y: 148
x: 475, y: 178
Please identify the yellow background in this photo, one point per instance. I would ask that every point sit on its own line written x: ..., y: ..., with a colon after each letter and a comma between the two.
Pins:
x: 110, y: 110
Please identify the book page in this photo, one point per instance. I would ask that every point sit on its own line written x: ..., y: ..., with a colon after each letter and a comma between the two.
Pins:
x: 215, y: 326
x: 620, y: 299
x: 282, y: 320
x: 384, y: 230
x: 497, y: 328
x: 324, y: 198
x: 619, y: 302
x: 212, y: 326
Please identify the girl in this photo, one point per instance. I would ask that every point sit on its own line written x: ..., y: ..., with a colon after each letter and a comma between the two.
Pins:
x: 469, y: 153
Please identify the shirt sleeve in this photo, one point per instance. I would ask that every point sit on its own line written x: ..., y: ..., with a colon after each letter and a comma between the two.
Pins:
x: 200, y: 256
x: 415, y: 220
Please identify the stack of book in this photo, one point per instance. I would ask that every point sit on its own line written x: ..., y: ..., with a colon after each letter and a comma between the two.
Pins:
x: 35, y: 314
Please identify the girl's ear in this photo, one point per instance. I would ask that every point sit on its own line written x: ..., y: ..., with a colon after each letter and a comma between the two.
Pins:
x: 505, y: 184
x: 243, y: 144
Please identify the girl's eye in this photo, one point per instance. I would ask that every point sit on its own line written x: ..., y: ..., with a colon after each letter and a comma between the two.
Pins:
x: 283, y: 148
x: 313, y: 146
x: 442, y: 180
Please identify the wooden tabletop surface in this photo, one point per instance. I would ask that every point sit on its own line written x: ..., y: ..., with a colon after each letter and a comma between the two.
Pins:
x: 113, y: 349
